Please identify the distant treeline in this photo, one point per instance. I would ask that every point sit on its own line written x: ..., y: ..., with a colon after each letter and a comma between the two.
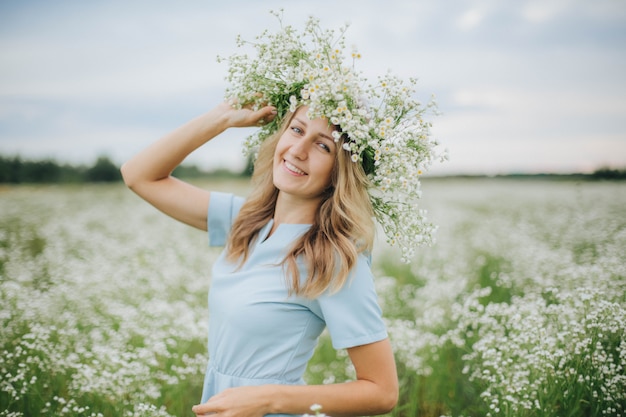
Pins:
x: 609, y: 174
x: 598, y: 175
x: 15, y: 170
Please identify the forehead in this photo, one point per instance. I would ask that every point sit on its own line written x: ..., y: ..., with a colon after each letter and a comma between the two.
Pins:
x: 321, y: 124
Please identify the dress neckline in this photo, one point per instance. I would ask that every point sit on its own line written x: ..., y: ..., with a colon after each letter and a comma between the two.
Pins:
x: 286, y: 230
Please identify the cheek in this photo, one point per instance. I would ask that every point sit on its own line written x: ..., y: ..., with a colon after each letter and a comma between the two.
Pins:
x: 276, y: 166
x: 278, y: 153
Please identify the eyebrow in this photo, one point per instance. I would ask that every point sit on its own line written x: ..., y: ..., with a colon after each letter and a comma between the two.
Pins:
x: 324, y: 135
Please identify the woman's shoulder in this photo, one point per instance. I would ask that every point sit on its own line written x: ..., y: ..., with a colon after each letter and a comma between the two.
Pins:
x: 362, y: 269
x: 360, y: 278
x: 221, y: 201
x: 223, y: 209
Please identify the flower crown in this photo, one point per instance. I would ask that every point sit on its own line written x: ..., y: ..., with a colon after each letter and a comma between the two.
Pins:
x: 381, y: 124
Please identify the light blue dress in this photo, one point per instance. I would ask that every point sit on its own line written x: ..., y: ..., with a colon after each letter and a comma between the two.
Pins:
x: 258, y: 334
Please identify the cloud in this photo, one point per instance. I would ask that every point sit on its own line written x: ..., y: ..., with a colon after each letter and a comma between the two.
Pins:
x: 470, y: 19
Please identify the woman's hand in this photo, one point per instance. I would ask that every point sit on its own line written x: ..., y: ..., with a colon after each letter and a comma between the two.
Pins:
x: 246, y: 116
x: 237, y: 402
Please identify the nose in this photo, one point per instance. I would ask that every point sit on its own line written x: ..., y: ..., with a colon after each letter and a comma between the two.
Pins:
x: 300, y: 149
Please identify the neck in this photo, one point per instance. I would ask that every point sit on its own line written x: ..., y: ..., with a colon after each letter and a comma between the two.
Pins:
x: 295, y: 210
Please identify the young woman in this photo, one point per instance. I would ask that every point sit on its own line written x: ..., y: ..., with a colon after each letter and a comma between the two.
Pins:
x: 295, y: 262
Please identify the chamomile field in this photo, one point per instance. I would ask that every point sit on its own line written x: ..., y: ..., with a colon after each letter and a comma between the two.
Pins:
x: 519, y: 309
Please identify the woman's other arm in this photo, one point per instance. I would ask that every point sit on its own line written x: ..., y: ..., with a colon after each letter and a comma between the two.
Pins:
x: 149, y: 172
x: 375, y: 391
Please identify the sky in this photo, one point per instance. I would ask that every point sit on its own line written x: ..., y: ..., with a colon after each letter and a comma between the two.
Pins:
x: 521, y: 86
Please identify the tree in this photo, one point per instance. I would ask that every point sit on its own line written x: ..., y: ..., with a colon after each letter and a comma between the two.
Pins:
x: 103, y: 171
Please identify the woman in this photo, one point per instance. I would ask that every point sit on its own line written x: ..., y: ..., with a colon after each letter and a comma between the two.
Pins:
x: 334, y: 152
x: 295, y: 261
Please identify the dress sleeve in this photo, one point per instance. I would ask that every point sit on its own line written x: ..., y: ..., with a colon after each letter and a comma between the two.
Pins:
x: 223, y: 208
x: 353, y: 316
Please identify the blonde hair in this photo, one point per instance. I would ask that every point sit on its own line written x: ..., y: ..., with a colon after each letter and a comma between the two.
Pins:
x: 343, y: 225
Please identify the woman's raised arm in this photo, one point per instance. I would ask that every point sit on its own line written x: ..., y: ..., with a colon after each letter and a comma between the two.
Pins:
x: 149, y: 172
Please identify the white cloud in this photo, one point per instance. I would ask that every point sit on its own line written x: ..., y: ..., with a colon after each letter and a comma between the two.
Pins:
x: 470, y: 19
x: 542, y: 11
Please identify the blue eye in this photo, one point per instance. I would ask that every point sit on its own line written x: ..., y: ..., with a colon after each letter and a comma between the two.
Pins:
x: 296, y: 129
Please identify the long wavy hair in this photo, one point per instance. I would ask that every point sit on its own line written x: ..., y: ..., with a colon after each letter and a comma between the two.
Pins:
x: 343, y: 226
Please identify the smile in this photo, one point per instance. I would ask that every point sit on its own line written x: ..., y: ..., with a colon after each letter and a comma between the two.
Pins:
x: 293, y: 168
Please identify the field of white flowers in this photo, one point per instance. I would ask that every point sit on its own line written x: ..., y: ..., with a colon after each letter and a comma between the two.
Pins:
x: 519, y: 309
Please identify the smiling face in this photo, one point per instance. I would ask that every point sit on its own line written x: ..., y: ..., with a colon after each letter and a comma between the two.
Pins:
x: 304, y: 157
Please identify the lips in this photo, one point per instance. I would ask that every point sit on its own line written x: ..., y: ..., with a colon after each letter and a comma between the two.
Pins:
x: 292, y: 168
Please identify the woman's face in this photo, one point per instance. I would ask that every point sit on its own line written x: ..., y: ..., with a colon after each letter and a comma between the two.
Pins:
x: 305, y: 157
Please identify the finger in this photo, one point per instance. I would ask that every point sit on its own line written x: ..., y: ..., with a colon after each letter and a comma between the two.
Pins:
x: 202, y: 410
x: 267, y: 114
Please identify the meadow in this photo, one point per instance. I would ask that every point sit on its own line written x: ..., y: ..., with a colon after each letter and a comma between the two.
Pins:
x: 519, y: 309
